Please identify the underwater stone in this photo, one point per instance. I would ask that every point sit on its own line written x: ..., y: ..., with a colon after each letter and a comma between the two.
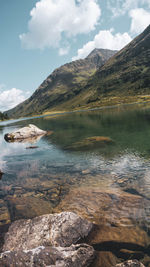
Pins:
x: 130, y: 263
x: 1, y: 174
x: 91, y: 142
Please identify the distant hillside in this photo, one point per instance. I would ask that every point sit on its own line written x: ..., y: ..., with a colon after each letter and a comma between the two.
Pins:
x: 62, y: 85
x: 3, y: 116
x: 124, y: 78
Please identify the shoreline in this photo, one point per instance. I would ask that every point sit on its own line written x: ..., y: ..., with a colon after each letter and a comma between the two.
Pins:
x: 65, y: 112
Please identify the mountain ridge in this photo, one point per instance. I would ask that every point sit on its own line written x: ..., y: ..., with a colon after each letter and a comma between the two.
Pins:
x: 62, y: 84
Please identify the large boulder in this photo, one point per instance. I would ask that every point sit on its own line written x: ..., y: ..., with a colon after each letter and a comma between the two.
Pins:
x: 62, y: 229
x: 73, y: 256
x: 130, y: 263
x: 29, y: 131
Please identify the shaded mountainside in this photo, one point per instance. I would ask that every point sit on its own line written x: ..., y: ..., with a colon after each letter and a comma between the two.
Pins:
x: 124, y: 78
x: 62, y: 85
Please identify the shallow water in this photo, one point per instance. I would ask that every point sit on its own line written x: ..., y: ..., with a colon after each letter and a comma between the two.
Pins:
x: 109, y: 184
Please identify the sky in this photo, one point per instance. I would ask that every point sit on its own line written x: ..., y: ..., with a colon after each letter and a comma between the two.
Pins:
x: 37, y: 36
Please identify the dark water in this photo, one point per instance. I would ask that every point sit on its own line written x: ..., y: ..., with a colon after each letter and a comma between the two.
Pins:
x: 42, y: 180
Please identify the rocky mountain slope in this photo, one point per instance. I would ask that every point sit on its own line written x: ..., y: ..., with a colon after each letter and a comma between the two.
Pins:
x: 62, y: 85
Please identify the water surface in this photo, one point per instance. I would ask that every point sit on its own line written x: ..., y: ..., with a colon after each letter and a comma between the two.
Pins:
x: 109, y: 184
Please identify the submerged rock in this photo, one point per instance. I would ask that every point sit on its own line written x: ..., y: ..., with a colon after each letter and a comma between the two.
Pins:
x: 102, y: 139
x: 28, y: 204
x: 62, y: 229
x: 130, y: 263
x: 4, y: 213
x: 1, y: 174
x: 73, y: 256
x: 117, y: 234
x: 91, y: 142
x: 31, y: 147
x: 29, y: 131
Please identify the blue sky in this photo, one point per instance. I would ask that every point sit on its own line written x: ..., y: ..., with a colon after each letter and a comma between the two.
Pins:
x: 38, y: 36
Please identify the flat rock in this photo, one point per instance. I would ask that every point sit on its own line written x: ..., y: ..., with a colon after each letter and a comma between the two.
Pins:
x: 73, y: 256
x: 62, y: 229
x: 130, y: 263
x: 23, y: 133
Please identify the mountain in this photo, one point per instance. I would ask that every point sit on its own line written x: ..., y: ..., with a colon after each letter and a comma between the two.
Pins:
x: 103, y: 78
x: 124, y: 78
x: 62, y: 85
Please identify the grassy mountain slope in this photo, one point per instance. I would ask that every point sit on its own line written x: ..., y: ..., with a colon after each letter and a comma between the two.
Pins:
x: 62, y: 85
x: 124, y: 78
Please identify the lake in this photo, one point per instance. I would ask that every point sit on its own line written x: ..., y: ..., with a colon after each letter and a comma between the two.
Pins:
x: 105, y: 182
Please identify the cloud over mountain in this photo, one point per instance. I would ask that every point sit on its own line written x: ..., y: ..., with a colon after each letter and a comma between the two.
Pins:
x: 104, y: 39
x: 140, y: 20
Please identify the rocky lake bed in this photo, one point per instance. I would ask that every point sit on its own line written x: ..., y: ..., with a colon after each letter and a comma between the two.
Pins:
x: 94, y: 167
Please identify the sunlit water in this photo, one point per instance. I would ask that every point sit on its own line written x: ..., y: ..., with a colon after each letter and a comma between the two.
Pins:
x: 36, y: 181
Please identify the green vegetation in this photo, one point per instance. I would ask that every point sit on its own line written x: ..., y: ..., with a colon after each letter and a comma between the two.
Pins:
x: 3, y: 116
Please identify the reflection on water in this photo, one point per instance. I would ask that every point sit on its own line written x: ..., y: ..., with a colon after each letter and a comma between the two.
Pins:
x: 31, y: 140
x: 107, y: 183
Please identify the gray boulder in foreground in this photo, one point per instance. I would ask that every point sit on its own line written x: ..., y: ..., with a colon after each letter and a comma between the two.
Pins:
x: 73, y: 256
x: 63, y: 229
x: 23, y: 133
x: 130, y: 263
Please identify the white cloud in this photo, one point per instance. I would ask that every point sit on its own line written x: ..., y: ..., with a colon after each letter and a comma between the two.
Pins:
x: 11, y: 98
x: 120, y: 7
x: 140, y: 20
x: 64, y: 50
x: 52, y: 18
x: 104, y: 39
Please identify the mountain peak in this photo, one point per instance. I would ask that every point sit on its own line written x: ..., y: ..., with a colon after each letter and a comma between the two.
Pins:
x: 100, y: 52
x: 94, y: 52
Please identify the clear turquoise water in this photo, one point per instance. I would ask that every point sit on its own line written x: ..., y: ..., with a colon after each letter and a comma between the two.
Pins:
x: 46, y: 174
x: 130, y: 153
